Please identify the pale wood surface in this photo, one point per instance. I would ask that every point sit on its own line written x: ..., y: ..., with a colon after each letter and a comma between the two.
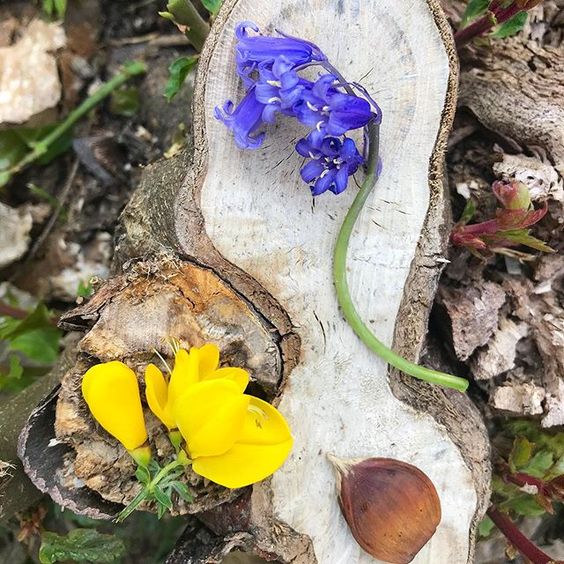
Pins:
x: 260, y: 216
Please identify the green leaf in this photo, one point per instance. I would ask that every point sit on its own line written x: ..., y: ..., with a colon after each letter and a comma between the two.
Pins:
x: 468, y: 212
x: 162, y: 497
x: 84, y: 290
x: 142, y: 475
x: 474, y: 9
x: 12, y: 149
x: 40, y: 345
x: 56, y: 8
x: 520, y: 453
x: 125, y: 101
x: 523, y: 504
x: 35, y: 336
x: 182, y: 490
x: 485, y: 527
x: 522, y: 237
x: 510, y: 27
x: 178, y: 70
x: 212, y: 6
x: 80, y: 545
x: 539, y: 464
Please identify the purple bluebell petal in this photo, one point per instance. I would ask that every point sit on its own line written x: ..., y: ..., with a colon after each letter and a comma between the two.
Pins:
x: 244, y: 120
x: 241, y: 29
x: 348, y: 150
x: 265, y: 93
x: 323, y: 183
x: 269, y: 113
x: 347, y: 112
x: 304, y: 148
x: 281, y: 66
x: 322, y: 85
x: 341, y: 180
x: 331, y: 147
x: 253, y: 50
x: 311, y: 170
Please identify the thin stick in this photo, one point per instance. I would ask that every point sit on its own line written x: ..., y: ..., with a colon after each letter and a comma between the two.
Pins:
x: 61, y: 199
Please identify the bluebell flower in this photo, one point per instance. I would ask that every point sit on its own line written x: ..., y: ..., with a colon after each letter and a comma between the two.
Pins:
x: 331, y: 163
x: 253, y: 50
x: 244, y: 120
x: 279, y: 87
x: 330, y: 112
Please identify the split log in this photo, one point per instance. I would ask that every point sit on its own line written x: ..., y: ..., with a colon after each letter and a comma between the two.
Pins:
x: 219, y: 222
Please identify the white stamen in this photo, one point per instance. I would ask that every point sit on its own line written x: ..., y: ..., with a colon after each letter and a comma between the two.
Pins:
x: 312, y: 107
x: 326, y: 108
x: 274, y: 99
x: 311, y: 155
x: 324, y: 173
x: 276, y: 83
x: 318, y: 125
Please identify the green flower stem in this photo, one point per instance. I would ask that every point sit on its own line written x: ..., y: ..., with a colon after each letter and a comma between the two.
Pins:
x: 343, y: 293
x: 147, y: 491
x: 185, y: 14
x: 39, y: 148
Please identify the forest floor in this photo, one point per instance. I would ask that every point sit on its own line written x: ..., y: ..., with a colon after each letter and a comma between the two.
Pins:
x: 497, y: 320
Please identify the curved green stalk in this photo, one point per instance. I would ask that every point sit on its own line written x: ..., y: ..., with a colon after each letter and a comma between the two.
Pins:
x: 343, y: 294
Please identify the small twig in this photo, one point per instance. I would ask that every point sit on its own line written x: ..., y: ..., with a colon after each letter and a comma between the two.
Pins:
x: 61, y: 199
x: 524, y: 545
x: 153, y: 39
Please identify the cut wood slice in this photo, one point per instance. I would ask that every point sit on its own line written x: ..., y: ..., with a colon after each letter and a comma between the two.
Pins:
x: 261, y: 218
x: 248, y: 219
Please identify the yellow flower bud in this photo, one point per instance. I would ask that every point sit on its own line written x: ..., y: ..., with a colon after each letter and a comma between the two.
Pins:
x: 111, y: 392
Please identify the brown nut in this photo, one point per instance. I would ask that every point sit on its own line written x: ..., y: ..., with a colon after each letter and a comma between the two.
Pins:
x: 392, y: 508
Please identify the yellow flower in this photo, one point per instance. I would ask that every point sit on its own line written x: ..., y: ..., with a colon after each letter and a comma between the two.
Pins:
x: 112, y: 393
x: 232, y: 439
x: 199, y: 365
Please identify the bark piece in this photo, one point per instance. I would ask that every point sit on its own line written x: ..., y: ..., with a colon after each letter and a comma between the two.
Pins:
x: 248, y: 218
x: 15, y: 225
x: 519, y: 399
x: 515, y: 90
x: 473, y: 312
x: 539, y: 305
x: 29, y: 80
x: 499, y: 354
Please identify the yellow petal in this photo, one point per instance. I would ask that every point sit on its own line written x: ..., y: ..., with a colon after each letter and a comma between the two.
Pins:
x: 209, y: 359
x: 237, y: 375
x: 210, y: 416
x: 264, y: 425
x: 112, y: 393
x: 157, y: 395
x: 243, y: 464
x: 184, y: 374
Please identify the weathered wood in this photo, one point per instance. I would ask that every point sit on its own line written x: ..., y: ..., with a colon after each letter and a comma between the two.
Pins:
x: 249, y: 219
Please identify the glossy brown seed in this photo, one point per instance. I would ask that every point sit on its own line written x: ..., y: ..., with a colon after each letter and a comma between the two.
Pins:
x: 391, y: 507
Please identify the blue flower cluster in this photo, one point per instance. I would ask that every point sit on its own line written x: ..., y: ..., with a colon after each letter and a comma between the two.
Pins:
x: 269, y: 69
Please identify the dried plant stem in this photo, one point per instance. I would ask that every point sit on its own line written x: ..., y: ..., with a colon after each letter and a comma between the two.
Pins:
x: 525, y: 546
x: 343, y: 293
